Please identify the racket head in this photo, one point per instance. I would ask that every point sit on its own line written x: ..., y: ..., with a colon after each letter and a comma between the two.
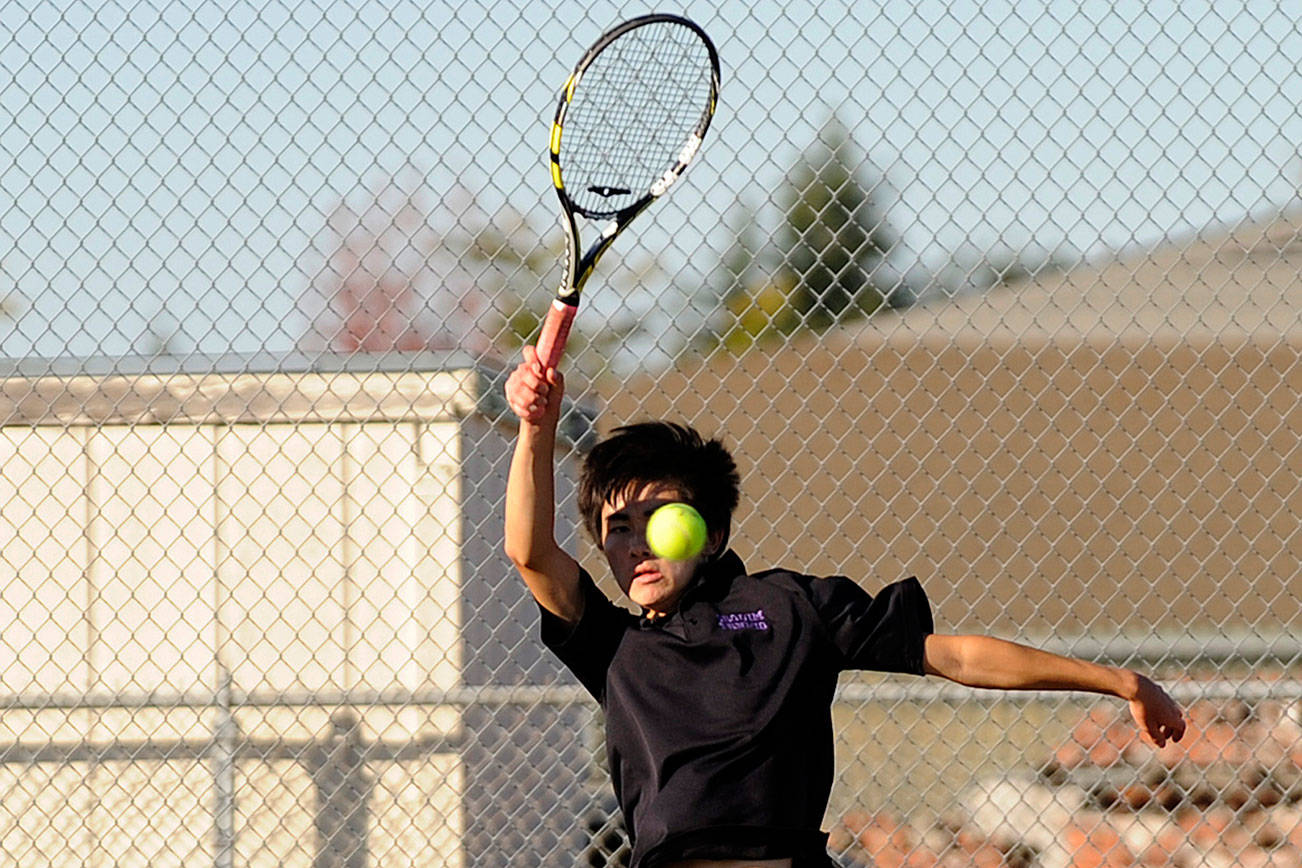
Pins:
x: 632, y: 116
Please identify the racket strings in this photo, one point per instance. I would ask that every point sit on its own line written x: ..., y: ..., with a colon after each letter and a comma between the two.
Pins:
x: 634, y: 109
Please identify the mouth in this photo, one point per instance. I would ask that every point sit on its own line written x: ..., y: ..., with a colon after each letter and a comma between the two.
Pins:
x: 647, y: 571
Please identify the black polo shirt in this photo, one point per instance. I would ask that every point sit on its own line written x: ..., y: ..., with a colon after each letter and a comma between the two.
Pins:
x: 718, y: 716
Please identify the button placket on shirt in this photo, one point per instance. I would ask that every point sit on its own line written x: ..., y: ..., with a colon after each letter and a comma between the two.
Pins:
x: 698, y: 621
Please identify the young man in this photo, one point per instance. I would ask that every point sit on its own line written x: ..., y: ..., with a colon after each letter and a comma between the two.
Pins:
x: 718, y: 696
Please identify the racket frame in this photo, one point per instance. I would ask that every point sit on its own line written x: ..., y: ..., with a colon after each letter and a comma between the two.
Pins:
x: 578, y: 268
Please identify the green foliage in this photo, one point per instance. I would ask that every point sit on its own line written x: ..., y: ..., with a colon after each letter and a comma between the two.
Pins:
x: 832, y: 257
x: 828, y: 260
x: 836, y: 239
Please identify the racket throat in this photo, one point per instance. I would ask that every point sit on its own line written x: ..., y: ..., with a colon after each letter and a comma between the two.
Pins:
x: 571, y: 281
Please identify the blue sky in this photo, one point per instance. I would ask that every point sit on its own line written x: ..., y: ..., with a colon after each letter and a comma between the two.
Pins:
x: 171, y: 163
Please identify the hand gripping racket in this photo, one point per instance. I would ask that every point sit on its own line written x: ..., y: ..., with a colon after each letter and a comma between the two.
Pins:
x: 631, y: 118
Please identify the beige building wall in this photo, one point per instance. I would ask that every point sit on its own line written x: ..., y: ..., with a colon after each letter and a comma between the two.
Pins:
x: 280, y: 551
x: 1107, y: 452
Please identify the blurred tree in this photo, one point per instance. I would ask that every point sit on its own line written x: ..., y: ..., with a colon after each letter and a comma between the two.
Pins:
x: 756, y: 304
x: 829, y: 260
x: 410, y: 271
x: 524, y: 269
x: 380, y: 283
x: 834, y: 256
x: 835, y: 239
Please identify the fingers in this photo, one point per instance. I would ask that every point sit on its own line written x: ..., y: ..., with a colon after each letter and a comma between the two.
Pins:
x: 1161, y: 733
x: 527, y: 392
x: 1169, y: 719
x: 1175, y: 730
x: 1159, y: 718
x: 531, y: 390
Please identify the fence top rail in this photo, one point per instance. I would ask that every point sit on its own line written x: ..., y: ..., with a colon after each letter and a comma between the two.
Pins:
x: 262, y: 388
x: 233, y: 389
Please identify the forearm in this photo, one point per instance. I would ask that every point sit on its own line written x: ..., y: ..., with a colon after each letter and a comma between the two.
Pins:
x: 551, y: 575
x: 983, y: 661
x: 534, y: 394
x: 530, y: 495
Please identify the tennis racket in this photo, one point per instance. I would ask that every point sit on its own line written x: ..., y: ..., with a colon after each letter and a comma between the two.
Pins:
x: 631, y: 117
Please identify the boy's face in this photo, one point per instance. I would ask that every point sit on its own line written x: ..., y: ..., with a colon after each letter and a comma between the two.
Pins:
x: 655, y: 584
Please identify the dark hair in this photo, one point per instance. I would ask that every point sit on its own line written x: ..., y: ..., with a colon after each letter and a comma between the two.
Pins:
x: 662, y: 452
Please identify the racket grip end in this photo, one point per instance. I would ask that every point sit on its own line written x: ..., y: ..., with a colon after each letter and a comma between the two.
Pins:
x: 555, y: 332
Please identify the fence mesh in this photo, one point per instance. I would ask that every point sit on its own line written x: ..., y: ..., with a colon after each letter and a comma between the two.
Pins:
x: 1001, y: 295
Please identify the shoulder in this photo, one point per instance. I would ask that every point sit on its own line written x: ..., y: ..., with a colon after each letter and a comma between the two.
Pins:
x: 884, y: 631
x: 795, y: 582
x: 803, y: 589
x: 588, y: 646
x: 840, y: 596
x: 801, y: 592
x: 600, y: 618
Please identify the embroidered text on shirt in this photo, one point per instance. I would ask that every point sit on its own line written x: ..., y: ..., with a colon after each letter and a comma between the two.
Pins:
x: 744, y: 620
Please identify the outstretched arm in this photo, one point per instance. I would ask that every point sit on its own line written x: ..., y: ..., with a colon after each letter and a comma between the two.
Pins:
x: 983, y: 661
x: 551, y: 574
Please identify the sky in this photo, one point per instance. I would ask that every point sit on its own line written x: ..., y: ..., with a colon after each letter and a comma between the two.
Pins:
x: 170, y: 166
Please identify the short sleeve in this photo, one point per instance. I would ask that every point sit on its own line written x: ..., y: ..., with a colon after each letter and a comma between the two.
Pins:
x: 883, y: 633
x: 588, y: 647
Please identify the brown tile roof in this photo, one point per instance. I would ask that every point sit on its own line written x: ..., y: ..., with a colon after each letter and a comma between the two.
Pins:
x: 1230, y: 793
x: 1112, y: 450
x: 1221, y: 285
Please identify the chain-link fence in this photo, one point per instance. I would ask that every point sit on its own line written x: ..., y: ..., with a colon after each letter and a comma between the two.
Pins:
x: 1003, y: 295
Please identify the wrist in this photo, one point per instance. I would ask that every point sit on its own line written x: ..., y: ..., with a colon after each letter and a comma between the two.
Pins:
x: 1130, y: 684
x: 540, y: 429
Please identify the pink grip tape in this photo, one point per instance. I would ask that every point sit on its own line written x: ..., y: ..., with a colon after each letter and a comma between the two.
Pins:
x: 555, y: 331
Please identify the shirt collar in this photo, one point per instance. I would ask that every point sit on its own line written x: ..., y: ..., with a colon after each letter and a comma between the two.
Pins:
x: 723, y: 568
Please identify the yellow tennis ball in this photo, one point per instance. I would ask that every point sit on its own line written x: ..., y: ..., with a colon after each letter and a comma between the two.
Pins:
x: 676, y: 532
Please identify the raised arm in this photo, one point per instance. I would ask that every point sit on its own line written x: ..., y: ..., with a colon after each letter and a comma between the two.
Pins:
x: 551, y: 574
x: 983, y: 661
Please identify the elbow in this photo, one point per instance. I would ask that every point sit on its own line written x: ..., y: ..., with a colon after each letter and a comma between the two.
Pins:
x: 950, y: 657
x: 518, y: 555
x: 517, y: 543
x: 525, y: 557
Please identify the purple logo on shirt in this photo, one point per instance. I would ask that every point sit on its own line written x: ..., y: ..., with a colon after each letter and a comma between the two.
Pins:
x: 744, y: 620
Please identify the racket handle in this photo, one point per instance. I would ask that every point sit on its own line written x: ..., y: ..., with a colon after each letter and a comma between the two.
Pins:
x: 555, y: 331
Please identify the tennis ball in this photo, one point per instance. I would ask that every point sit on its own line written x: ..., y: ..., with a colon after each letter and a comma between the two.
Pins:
x: 676, y: 532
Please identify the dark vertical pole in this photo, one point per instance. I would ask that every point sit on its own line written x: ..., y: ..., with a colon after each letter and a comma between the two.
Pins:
x: 343, y: 795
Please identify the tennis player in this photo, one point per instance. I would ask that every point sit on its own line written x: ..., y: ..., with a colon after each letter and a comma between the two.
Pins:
x: 717, y: 696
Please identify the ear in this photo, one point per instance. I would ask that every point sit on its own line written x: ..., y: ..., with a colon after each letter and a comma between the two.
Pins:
x: 714, y: 542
